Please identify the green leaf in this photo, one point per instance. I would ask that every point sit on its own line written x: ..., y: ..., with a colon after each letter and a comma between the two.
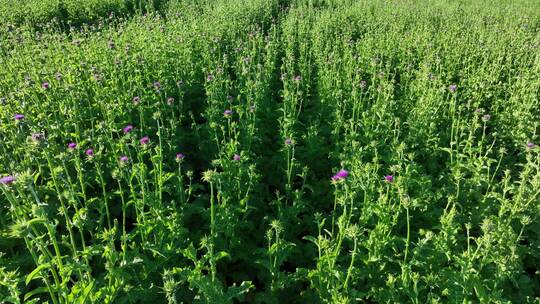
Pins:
x: 32, y: 275
x: 220, y: 255
x: 190, y: 253
x: 36, y: 221
x: 34, y: 292
x: 87, y: 291
x: 36, y: 176
x: 237, y: 291
x: 312, y: 239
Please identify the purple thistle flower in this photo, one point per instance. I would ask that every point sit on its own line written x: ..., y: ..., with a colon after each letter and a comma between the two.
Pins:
x: 530, y: 145
x: 6, y: 180
x: 389, y: 178
x: 127, y: 129
x: 180, y: 156
x: 89, y: 152
x: 37, y: 136
x: 209, y: 77
x: 136, y: 100
x: 157, y: 85
x: 72, y: 145
x: 45, y: 85
x: 341, y: 175
x: 18, y: 117
x: 236, y: 157
x: 288, y: 142
x: 486, y: 118
x: 145, y: 140
x: 124, y: 159
x: 227, y: 113
x: 170, y: 101
x: 452, y: 88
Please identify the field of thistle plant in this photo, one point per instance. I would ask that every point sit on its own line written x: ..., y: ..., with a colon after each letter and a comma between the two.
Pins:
x: 270, y: 151
x: 65, y: 13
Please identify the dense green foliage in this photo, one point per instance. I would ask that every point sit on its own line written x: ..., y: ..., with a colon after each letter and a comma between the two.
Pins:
x: 38, y: 13
x: 197, y: 155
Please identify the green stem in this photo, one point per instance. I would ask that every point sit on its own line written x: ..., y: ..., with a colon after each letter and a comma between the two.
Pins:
x: 408, y: 236
x: 104, y: 192
x: 212, y: 230
x: 64, y: 209
x: 349, y: 271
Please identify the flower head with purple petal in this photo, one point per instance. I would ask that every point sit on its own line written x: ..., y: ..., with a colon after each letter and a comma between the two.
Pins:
x: 170, y: 101
x: 530, y: 145
x: 452, y: 88
x: 136, y: 100
x: 288, y: 142
x: 389, y: 178
x: 89, y: 152
x: 127, y: 129
x: 227, y: 113
x: 236, y: 157
x: 124, y: 159
x: 6, y: 180
x: 18, y: 117
x: 340, y: 175
x: 45, y: 85
x: 180, y: 157
x: 72, y: 145
x: 145, y: 140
